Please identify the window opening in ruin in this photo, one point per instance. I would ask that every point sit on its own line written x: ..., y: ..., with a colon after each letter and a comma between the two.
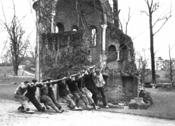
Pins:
x: 75, y: 28
x: 112, y: 48
x: 129, y: 56
x: 59, y: 28
x: 112, y: 53
x: 94, y: 35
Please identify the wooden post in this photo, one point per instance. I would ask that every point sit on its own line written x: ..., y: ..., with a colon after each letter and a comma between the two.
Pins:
x: 36, y: 7
x: 55, y: 87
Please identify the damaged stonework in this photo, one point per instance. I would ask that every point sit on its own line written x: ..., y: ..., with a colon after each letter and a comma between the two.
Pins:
x: 79, y: 33
x: 62, y: 53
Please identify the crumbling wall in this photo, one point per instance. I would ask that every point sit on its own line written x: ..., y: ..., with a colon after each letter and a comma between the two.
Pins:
x: 122, y: 83
x: 62, y: 53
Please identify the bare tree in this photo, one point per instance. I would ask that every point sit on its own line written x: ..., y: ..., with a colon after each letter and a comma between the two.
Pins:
x: 117, y: 21
x: 142, y: 66
x: 15, y: 33
x: 152, y: 8
x: 128, y: 20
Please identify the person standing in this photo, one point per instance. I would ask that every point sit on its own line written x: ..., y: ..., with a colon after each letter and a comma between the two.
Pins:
x: 99, y: 81
x: 105, y: 73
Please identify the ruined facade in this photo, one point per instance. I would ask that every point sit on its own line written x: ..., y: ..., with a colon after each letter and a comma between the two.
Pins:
x: 78, y: 33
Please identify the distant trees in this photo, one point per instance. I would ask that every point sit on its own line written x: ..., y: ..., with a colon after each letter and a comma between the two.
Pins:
x: 152, y: 7
x: 142, y: 64
x: 164, y: 64
x: 167, y: 65
x: 18, y: 46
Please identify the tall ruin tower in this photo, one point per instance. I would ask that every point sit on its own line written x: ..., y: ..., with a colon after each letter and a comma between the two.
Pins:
x: 76, y: 33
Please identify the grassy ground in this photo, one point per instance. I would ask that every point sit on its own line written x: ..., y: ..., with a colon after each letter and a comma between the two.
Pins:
x: 7, y: 92
x: 6, y: 76
x: 14, y: 80
x: 163, y: 107
x: 5, y: 71
x: 8, y: 86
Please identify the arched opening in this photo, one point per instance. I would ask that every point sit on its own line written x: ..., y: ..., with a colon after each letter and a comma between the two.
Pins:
x: 75, y: 28
x: 112, y: 53
x: 59, y: 27
x: 93, y: 30
x: 112, y: 48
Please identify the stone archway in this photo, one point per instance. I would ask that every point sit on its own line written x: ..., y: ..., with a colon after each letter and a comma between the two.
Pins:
x: 112, y: 48
x: 112, y: 53
x: 74, y: 28
x: 60, y: 27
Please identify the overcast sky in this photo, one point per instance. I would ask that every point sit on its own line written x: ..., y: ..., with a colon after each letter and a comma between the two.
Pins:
x: 138, y: 27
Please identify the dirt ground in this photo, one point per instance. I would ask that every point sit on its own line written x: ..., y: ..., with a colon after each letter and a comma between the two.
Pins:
x: 9, y: 116
x: 162, y: 110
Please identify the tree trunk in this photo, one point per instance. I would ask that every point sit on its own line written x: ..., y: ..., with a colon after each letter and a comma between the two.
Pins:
x: 152, y: 49
x: 15, y: 65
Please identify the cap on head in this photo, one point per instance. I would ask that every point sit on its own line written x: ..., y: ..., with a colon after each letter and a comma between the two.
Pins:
x: 34, y: 80
x: 25, y: 82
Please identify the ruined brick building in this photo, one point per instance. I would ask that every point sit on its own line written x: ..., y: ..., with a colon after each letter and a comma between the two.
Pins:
x: 78, y: 33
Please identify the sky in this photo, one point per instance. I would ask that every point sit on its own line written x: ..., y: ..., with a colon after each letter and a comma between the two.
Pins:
x: 138, y: 28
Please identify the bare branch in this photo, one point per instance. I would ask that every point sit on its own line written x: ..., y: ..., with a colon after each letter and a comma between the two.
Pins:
x: 121, y: 25
x: 159, y: 19
x: 148, y: 4
x: 165, y: 21
x: 154, y: 7
x: 128, y: 20
x: 151, y: 4
x: 3, y: 13
x: 14, y: 8
x: 144, y: 12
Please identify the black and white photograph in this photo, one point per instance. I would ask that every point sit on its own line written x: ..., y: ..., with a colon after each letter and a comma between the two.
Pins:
x: 87, y: 63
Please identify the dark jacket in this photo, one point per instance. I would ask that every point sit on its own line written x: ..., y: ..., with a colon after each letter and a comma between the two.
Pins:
x: 73, y: 86
x: 44, y: 90
x: 62, y: 89
x: 50, y: 92
x: 89, y: 82
x: 31, y: 91
x: 80, y: 83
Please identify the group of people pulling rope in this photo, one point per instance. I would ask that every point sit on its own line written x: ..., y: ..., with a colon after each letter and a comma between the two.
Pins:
x: 79, y: 91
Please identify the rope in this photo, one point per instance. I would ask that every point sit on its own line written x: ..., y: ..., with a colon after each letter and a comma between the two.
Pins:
x: 64, y: 78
